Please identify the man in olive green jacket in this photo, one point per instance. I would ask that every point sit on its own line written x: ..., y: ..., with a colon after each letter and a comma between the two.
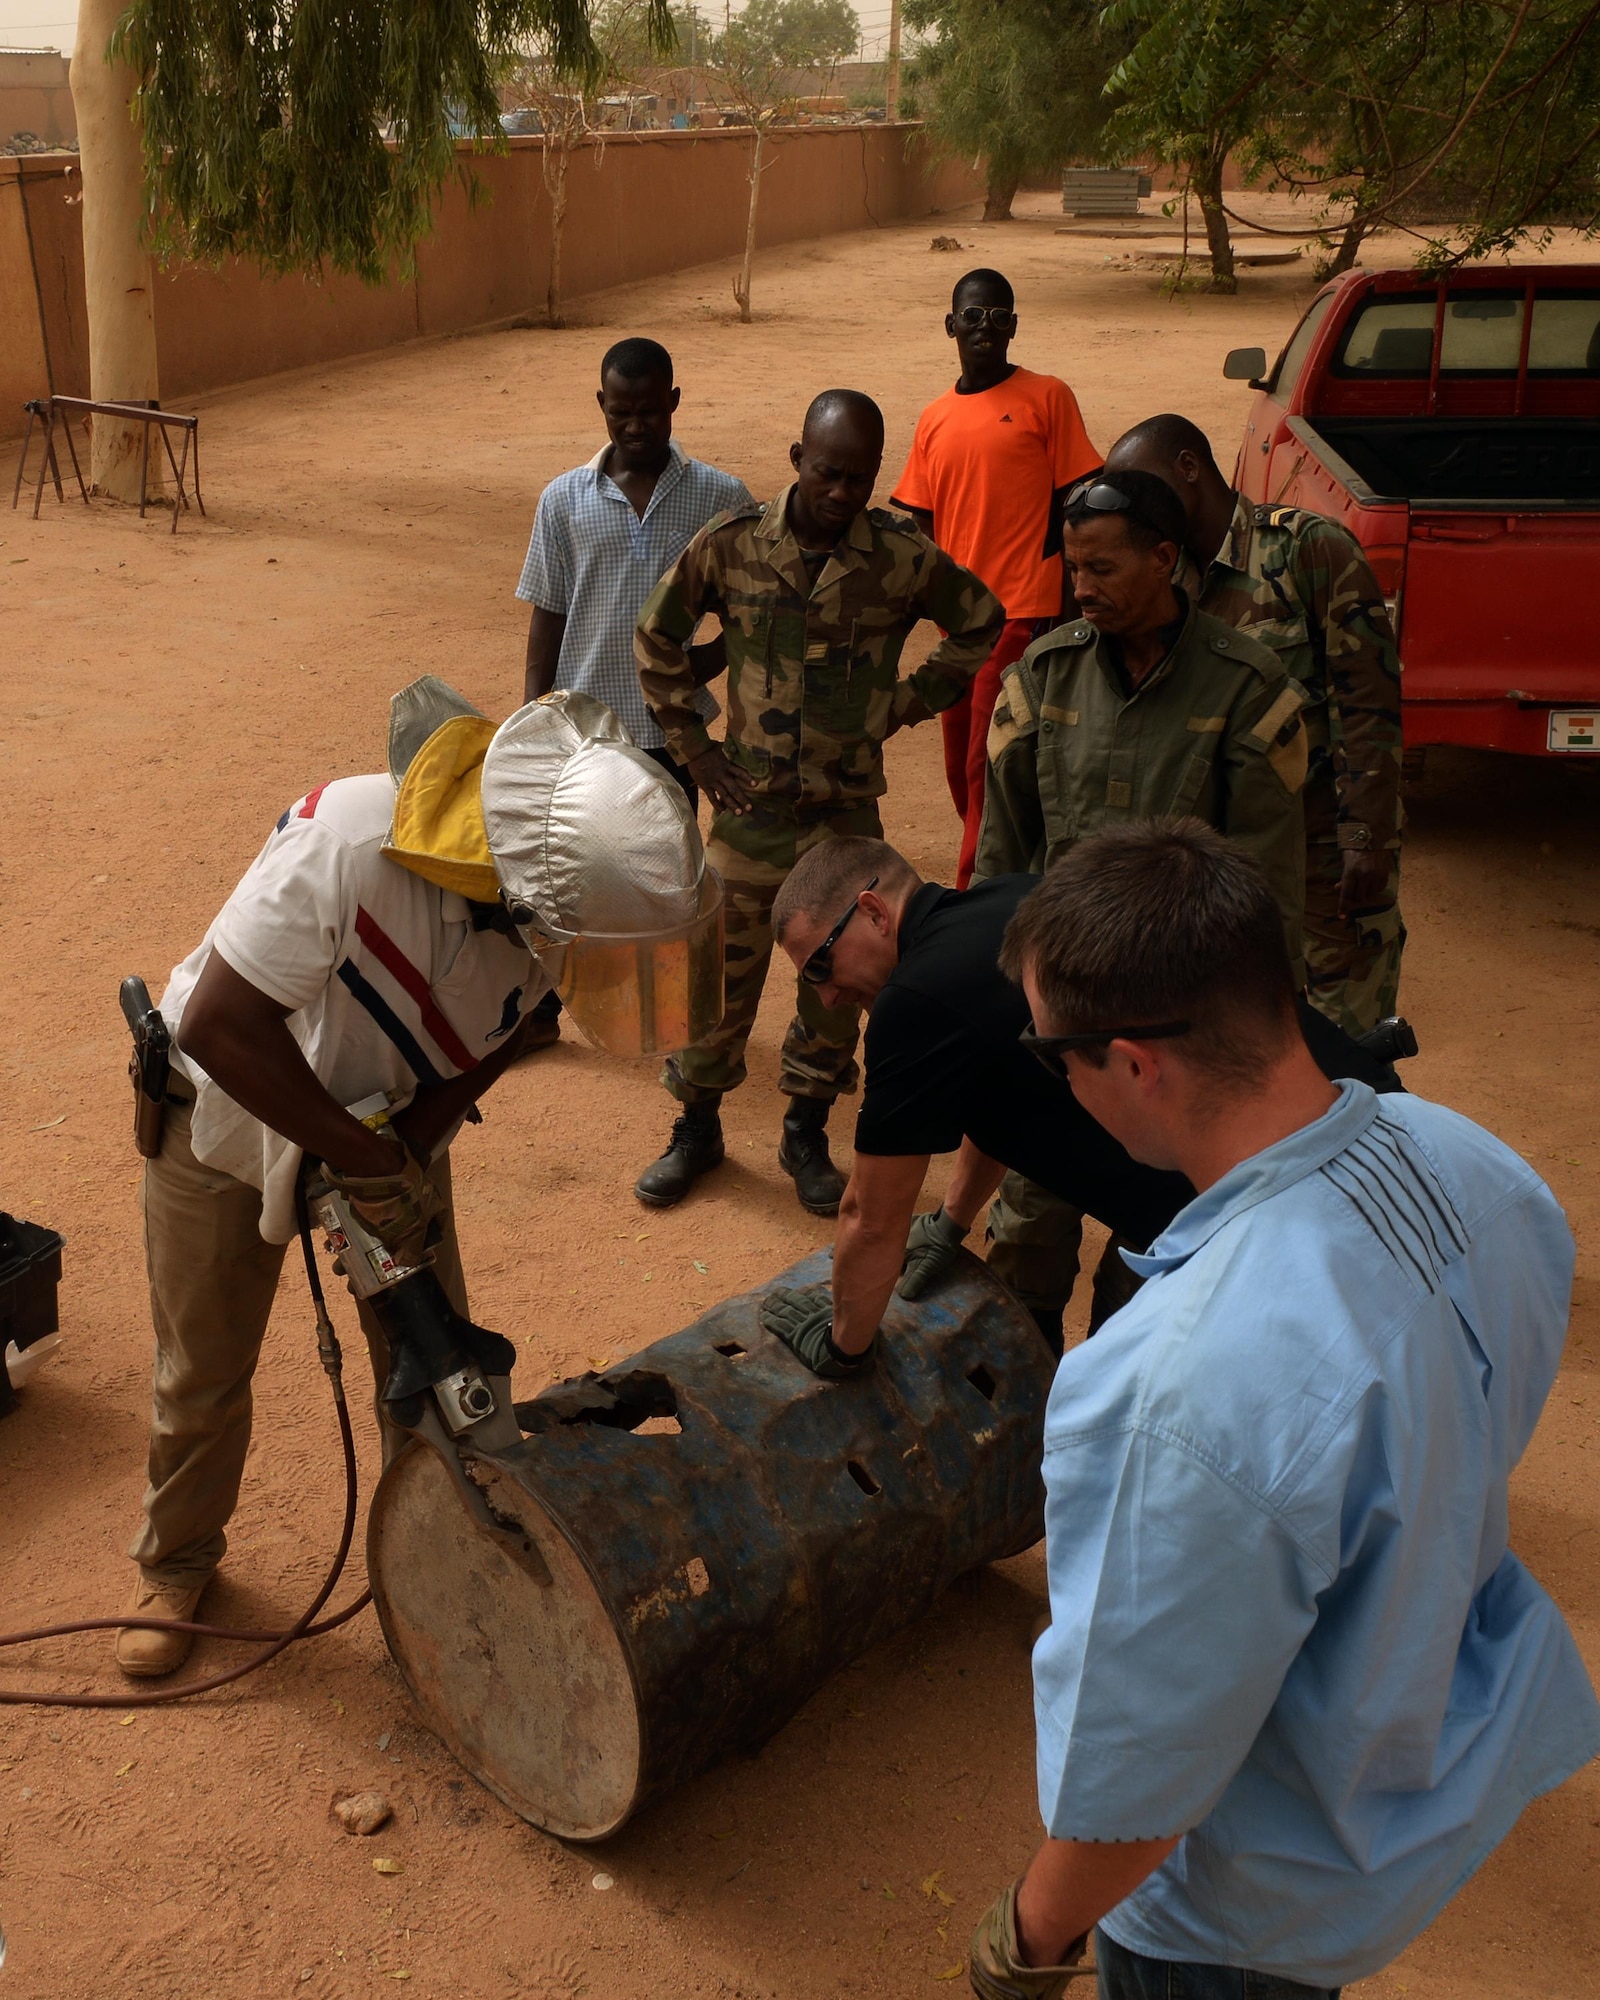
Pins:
x: 1145, y: 706
x: 816, y: 593
x: 1141, y: 707
x: 1302, y: 585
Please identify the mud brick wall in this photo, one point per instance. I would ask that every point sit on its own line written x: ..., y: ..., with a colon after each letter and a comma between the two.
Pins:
x: 639, y: 203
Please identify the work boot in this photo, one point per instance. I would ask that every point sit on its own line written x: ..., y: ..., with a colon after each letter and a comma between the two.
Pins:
x: 803, y: 1155
x: 542, y: 1029
x: 144, y: 1655
x: 1049, y: 1320
x: 694, y: 1149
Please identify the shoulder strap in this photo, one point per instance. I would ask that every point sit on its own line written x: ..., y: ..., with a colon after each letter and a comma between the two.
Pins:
x: 1032, y: 686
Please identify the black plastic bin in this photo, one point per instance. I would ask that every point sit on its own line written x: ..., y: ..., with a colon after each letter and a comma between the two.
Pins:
x: 30, y: 1272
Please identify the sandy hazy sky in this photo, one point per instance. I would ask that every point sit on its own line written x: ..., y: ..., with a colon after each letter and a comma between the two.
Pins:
x: 52, y: 23
x: 38, y: 24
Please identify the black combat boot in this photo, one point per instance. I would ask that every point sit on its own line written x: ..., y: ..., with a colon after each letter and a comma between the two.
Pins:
x: 694, y: 1149
x: 804, y: 1155
x: 1048, y: 1319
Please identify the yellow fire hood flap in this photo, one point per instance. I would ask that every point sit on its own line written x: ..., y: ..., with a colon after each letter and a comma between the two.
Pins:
x: 438, y: 830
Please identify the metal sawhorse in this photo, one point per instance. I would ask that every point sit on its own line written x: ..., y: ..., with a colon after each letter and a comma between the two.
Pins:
x: 45, y: 409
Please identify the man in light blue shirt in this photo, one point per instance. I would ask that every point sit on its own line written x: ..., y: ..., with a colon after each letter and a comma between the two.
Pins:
x: 603, y: 537
x: 1296, y: 1686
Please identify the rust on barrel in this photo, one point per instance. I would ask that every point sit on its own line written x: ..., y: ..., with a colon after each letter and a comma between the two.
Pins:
x: 721, y: 1530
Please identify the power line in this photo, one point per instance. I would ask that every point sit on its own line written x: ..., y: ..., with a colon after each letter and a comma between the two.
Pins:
x: 23, y: 27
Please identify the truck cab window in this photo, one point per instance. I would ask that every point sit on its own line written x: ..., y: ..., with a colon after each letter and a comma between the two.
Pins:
x: 1287, y: 372
x: 1482, y: 334
x: 1390, y: 337
x: 1566, y: 334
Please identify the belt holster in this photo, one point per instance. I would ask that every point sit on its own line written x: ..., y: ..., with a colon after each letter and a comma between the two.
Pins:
x: 148, y: 1066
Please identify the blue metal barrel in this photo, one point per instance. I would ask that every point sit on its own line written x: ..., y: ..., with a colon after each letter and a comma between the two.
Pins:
x: 721, y: 1531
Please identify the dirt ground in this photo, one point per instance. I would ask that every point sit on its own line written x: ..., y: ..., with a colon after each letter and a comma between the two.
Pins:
x: 165, y: 699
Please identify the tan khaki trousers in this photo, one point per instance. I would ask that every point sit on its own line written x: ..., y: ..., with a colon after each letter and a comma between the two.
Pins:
x: 212, y: 1281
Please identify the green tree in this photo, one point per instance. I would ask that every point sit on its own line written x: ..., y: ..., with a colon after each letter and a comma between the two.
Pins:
x: 692, y: 34
x: 1020, y: 84
x: 298, y: 133
x: 804, y: 35
x: 1468, y: 124
x: 301, y: 134
x: 1482, y: 116
x: 1191, y: 89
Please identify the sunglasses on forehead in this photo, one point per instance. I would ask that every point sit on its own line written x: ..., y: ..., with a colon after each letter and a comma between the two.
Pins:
x: 818, y: 968
x: 1100, y: 496
x: 1051, y: 1051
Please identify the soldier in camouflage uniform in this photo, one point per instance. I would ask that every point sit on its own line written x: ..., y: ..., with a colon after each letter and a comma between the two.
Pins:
x: 1301, y: 585
x: 816, y: 593
x: 1145, y: 706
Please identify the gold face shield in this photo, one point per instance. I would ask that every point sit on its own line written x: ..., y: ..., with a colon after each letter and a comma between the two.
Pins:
x: 641, y: 995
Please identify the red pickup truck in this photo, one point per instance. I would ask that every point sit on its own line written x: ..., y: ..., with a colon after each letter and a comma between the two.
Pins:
x: 1454, y: 428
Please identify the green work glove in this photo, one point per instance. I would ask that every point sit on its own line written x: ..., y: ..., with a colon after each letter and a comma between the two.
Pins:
x: 997, y: 1970
x: 931, y: 1252
x: 803, y: 1321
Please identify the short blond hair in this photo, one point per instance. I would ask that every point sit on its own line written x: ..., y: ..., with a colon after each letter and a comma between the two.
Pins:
x: 825, y: 877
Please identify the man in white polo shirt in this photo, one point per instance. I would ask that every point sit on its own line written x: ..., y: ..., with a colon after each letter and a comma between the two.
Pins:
x: 377, y: 952
x: 603, y: 537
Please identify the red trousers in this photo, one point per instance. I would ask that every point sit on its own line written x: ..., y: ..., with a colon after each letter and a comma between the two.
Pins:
x: 966, y: 733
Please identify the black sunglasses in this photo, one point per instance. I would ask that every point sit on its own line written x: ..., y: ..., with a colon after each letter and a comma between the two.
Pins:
x: 1100, y: 497
x: 818, y: 968
x: 1052, y: 1050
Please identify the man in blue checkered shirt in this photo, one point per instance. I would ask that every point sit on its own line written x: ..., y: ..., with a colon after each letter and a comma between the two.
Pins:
x: 603, y: 537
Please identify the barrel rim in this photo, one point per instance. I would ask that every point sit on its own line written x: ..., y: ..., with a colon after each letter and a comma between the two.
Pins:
x: 428, y: 1709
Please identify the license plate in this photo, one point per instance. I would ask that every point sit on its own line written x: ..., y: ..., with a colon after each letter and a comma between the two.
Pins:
x: 1575, y: 729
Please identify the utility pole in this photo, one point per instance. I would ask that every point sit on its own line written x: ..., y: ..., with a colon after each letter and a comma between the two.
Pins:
x: 892, y: 95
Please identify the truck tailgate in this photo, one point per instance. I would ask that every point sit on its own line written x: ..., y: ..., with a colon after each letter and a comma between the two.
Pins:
x: 1495, y: 606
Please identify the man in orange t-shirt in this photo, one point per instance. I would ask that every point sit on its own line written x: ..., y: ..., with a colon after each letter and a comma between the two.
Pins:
x: 988, y: 461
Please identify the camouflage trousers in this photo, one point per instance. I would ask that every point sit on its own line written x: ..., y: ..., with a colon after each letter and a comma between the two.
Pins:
x: 753, y: 855
x: 1352, y: 963
x: 1035, y: 1244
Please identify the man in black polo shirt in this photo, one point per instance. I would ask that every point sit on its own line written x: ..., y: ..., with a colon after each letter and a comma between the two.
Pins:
x: 946, y: 1072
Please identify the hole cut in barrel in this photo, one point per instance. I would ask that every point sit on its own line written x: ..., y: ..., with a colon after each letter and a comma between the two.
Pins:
x: 643, y: 1403
x: 864, y: 1479
x: 982, y: 1381
x: 731, y: 1348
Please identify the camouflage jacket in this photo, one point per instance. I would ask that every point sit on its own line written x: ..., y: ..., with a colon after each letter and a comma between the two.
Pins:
x: 813, y: 671
x: 1299, y: 583
x: 1215, y: 731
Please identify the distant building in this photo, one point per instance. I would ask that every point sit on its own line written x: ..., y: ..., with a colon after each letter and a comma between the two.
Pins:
x: 633, y: 111
x: 681, y: 96
x: 35, y: 101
